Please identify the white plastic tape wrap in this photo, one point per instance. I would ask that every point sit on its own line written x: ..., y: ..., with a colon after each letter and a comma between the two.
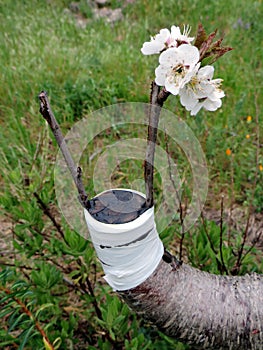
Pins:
x: 130, y: 252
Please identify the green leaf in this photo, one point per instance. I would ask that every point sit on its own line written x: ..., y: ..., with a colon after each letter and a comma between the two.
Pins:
x: 112, y: 334
x: 118, y: 320
x: 43, y: 307
x: 56, y: 343
x: 25, y: 337
x: 19, y: 284
x: 10, y: 342
x: 76, y: 243
x: 47, y: 276
x: 5, y: 274
x: 16, y: 322
x: 109, y: 319
x: 5, y: 311
x: 14, y: 315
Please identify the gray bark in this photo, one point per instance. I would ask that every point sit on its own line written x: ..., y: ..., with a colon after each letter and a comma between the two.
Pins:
x: 204, y: 310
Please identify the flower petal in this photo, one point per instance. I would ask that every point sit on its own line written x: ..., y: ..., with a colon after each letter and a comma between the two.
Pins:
x: 152, y: 47
x: 157, y: 43
x: 196, y: 109
x: 206, y: 72
x: 189, y: 55
x: 160, y: 75
x: 172, y: 86
x: 185, y: 54
x: 175, y: 32
x: 187, y: 98
x: 163, y: 35
x: 169, y: 57
x: 212, y: 105
x: 166, y: 39
x: 216, y: 94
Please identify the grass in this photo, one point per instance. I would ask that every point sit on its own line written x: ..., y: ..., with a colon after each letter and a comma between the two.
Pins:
x: 84, y: 69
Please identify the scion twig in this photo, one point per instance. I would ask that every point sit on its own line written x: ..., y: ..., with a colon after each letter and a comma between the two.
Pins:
x: 75, y: 171
x: 157, y: 99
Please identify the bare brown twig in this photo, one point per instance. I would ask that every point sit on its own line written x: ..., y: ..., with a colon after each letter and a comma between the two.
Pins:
x: 75, y: 171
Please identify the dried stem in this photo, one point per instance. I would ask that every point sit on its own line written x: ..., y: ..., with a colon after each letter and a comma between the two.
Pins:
x: 224, y: 269
x: 48, y: 213
x: 240, y: 253
x: 255, y: 242
x: 219, y: 265
x: 157, y: 99
x: 86, y: 286
x: 181, y: 212
x: 75, y: 171
x: 232, y: 201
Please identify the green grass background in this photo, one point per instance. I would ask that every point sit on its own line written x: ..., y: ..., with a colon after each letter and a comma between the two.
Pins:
x: 83, y: 69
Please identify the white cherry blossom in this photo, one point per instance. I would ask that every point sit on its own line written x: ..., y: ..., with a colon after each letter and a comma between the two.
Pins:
x: 202, y: 92
x: 166, y: 39
x: 177, y: 66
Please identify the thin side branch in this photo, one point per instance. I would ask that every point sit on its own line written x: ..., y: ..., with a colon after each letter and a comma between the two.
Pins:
x: 48, y: 213
x: 75, y: 171
x: 181, y: 211
x: 223, y: 266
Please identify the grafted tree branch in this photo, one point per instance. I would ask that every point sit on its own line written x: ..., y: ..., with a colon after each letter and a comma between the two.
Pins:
x: 204, y: 310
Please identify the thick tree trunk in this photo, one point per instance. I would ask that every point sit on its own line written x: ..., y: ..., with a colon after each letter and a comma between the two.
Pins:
x: 201, y: 309
x: 204, y: 310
